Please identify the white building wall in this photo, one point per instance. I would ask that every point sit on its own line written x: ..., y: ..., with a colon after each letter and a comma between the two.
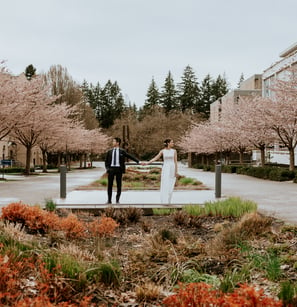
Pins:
x: 278, y: 71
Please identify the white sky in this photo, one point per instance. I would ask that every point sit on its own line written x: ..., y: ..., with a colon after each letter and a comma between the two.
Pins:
x: 132, y: 41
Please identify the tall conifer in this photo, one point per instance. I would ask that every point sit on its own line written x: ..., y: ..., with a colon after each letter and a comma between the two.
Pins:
x: 153, y: 96
x: 168, y: 98
x: 189, y: 92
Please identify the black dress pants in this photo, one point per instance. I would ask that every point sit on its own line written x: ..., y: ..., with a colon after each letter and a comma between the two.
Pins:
x: 117, y: 173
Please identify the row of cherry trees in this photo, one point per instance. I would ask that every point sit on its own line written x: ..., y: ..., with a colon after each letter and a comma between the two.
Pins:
x: 30, y: 116
x: 251, y: 123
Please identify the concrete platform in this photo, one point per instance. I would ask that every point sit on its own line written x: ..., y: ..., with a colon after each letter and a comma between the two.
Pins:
x: 146, y: 200
x: 135, y: 197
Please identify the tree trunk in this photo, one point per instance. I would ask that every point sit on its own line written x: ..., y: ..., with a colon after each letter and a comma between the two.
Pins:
x: 241, y: 158
x: 217, y: 157
x: 190, y: 159
x: 28, y: 159
x: 80, y: 161
x: 44, y: 160
x: 85, y: 160
x: 203, y: 159
x: 292, y: 159
x: 227, y: 158
x: 59, y: 161
x: 68, y: 161
x: 262, y: 150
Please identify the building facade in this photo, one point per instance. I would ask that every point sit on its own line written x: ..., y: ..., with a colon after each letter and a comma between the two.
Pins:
x: 16, y: 154
x: 249, y: 87
x: 260, y: 84
x: 278, y: 153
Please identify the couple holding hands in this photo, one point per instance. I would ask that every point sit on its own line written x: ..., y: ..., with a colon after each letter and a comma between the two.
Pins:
x: 115, y: 168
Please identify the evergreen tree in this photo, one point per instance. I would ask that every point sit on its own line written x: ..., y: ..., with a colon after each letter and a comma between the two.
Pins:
x: 206, y: 97
x: 107, y: 103
x: 219, y: 87
x: 30, y: 71
x: 168, y: 97
x: 119, y: 102
x: 189, y: 92
x: 241, y: 79
x: 153, y: 96
x: 110, y: 104
x: 86, y: 92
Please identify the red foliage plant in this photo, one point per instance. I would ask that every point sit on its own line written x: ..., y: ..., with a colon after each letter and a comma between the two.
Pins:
x: 201, y: 294
x: 17, y: 290
x: 38, y: 220
x: 15, y: 212
x: 73, y: 227
x: 104, y: 227
x: 32, y: 217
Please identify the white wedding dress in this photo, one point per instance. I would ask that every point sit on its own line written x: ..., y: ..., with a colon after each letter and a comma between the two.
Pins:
x: 167, y: 176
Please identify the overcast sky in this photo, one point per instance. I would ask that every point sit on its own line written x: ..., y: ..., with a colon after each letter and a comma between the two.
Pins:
x: 133, y: 41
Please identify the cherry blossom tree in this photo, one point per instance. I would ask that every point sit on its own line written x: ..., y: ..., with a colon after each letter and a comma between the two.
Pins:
x: 207, y: 138
x: 38, y: 113
x: 61, y: 117
x: 281, y: 110
x: 77, y: 140
x: 251, y: 120
x: 234, y: 129
x: 12, y: 112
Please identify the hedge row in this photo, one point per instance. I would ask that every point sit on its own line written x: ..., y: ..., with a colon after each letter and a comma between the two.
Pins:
x: 268, y: 172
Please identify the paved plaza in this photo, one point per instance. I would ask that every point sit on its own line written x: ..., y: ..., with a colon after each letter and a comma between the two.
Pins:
x: 275, y: 198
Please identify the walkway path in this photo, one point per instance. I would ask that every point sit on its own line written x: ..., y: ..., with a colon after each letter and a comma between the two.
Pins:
x: 277, y: 198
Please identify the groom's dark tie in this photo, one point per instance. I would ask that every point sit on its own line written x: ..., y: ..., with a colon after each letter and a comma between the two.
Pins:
x: 114, y: 157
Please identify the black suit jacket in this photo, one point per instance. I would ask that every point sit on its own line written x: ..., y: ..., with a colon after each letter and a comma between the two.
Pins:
x: 123, y: 155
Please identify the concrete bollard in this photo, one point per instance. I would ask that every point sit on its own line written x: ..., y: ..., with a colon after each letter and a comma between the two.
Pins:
x: 218, y: 182
x: 63, y: 171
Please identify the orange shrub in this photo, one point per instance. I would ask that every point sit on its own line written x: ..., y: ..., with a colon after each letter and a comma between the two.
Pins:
x: 16, y: 290
x: 40, y: 220
x: 104, y: 227
x: 32, y: 217
x: 73, y: 227
x: 15, y: 212
x: 201, y: 294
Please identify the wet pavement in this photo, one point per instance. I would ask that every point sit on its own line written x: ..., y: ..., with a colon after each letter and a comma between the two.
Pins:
x: 274, y: 198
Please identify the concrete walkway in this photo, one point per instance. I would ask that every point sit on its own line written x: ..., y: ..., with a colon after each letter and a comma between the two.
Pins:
x: 274, y: 198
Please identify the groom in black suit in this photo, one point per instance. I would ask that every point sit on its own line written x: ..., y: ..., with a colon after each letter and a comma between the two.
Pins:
x: 115, y: 167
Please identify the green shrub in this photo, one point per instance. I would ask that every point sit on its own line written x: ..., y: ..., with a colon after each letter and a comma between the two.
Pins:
x: 103, y: 181
x: 109, y: 273
x: 280, y: 174
x: 186, y: 180
x: 268, y: 172
x: 192, y: 275
x: 233, y: 206
x: 68, y: 265
x: 230, y: 168
x: 234, y: 277
x: 207, y: 168
x: 287, y: 294
x: 168, y: 235
x: 50, y: 205
x: 273, y: 267
x: 163, y: 211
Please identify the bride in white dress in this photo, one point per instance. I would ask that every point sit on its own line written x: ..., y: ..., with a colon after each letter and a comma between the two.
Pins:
x: 169, y: 170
